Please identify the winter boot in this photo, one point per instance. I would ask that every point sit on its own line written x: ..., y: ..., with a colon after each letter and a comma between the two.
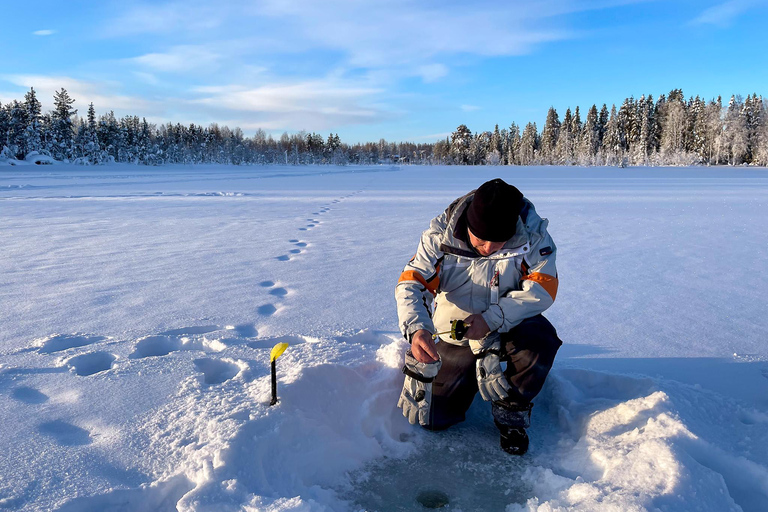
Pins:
x: 512, y: 419
x: 513, y: 440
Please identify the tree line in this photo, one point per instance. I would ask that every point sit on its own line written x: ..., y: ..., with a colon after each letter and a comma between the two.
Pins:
x: 667, y: 131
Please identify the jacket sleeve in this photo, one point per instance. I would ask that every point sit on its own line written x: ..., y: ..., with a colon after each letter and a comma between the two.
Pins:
x: 419, y: 282
x: 538, y: 285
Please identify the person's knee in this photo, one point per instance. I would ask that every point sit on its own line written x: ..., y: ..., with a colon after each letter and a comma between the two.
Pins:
x: 537, y: 334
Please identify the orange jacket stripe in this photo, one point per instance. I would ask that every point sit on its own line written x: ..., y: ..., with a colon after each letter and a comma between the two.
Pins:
x: 547, y: 282
x: 412, y: 275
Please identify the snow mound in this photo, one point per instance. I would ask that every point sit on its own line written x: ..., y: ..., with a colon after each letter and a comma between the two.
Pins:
x: 36, y: 158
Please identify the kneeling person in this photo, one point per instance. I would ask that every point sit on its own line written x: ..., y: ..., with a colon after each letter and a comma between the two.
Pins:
x: 489, y: 261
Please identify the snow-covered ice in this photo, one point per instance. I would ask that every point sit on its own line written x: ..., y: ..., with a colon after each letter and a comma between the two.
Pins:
x: 139, y: 305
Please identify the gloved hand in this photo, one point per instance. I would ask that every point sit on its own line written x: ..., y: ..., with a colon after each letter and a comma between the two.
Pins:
x: 416, y: 396
x: 491, y: 380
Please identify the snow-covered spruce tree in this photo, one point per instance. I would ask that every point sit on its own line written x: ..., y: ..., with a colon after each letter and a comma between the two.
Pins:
x: 589, y: 143
x: 752, y: 112
x: 644, y: 146
x: 602, y: 122
x: 611, y: 151
x: 17, y: 125
x: 33, y: 131
x: 564, y: 146
x: 529, y: 145
x: 576, y: 128
x: 627, y: 126
x: 549, y: 136
x: 761, y: 154
x: 512, y: 151
x: 91, y: 149
x: 494, y: 152
x: 461, y: 140
x: 3, y: 125
x: 108, y: 135
x: 62, y: 142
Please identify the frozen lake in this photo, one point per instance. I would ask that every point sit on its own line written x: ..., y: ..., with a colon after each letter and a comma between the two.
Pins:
x: 138, y: 306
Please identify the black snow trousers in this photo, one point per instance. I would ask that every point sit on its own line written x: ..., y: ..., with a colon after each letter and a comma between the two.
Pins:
x: 529, y: 350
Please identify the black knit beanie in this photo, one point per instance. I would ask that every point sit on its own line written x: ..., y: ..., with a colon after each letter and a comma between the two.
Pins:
x: 492, y: 214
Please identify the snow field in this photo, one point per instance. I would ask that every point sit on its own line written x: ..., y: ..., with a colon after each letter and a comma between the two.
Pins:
x: 139, y: 309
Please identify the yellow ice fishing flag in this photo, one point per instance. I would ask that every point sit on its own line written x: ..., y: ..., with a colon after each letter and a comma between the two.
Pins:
x: 277, y: 351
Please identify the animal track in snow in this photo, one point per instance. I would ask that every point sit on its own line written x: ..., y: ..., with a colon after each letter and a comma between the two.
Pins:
x: 279, y: 292
x: 270, y: 342
x: 216, y: 371
x: 246, y: 331
x: 28, y: 395
x: 295, y: 251
x: 66, y: 434
x: 190, y: 331
x: 89, y: 364
x: 267, y: 284
x: 157, y: 345
x: 59, y: 342
x: 266, y: 310
x: 284, y: 257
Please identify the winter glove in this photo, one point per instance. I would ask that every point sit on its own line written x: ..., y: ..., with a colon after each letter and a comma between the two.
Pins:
x: 491, y: 380
x: 416, y: 396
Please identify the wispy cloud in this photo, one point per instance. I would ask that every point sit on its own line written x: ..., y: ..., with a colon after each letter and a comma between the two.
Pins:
x: 402, y: 36
x: 725, y: 14
x: 44, y: 32
x: 431, y: 137
x: 433, y: 72
x: 312, y: 105
x: 180, y: 59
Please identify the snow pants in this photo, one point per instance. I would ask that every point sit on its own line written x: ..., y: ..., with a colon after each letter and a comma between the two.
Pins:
x: 529, y: 350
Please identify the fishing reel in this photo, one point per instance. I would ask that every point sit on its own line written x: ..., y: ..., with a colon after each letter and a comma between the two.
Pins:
x: 458, y: 330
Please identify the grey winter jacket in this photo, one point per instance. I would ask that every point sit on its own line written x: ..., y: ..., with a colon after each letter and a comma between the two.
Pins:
x: 517, y: 282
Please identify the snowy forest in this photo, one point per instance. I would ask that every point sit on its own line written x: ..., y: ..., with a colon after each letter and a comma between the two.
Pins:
x: 641, y: 132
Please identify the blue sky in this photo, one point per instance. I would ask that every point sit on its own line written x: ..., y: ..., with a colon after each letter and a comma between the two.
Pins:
x: 401, y: 70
